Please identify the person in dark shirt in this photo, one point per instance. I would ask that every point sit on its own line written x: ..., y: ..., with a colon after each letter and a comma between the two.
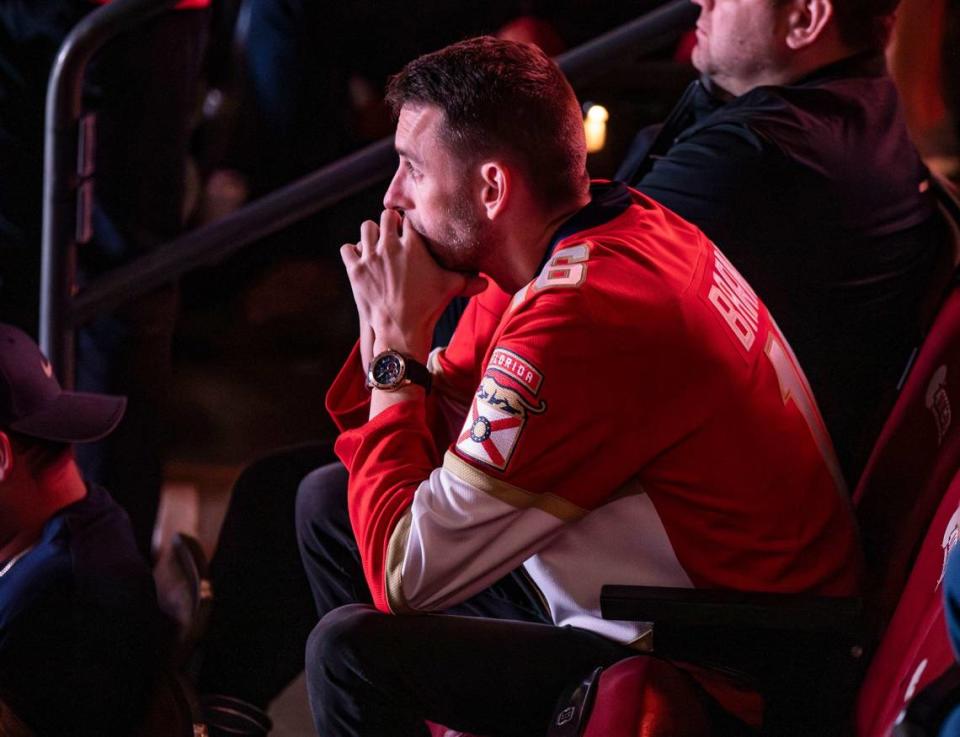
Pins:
x: 791, y: 153
x: 78, y: 614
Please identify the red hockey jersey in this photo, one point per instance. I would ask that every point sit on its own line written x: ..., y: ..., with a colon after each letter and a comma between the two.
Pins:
x: 633, y: 416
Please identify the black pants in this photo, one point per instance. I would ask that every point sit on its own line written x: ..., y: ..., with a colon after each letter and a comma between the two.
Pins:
x: 493, y: 665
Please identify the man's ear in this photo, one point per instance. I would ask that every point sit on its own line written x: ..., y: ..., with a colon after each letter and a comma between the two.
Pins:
x: 495, y: 186
x: 6, y: 456
x: 808, y: 19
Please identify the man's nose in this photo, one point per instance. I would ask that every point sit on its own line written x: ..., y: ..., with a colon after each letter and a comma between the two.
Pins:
x: 393, y: 198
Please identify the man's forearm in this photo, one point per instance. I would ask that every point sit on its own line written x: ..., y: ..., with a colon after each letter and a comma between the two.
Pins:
x: 380, y: 400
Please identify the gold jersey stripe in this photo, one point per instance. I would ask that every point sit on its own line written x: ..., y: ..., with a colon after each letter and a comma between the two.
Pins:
x: 510, y: 494
x: 396, y: 550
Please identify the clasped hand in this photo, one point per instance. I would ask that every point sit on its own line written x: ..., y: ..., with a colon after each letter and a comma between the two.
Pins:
x: 399, y: 288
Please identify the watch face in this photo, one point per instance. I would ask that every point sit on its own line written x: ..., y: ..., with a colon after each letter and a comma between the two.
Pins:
x: 387, y: 370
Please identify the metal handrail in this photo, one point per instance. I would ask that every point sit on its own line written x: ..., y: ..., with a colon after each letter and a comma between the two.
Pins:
x: 63, y: 161
x: 60, y: 313
x: 211, y: 243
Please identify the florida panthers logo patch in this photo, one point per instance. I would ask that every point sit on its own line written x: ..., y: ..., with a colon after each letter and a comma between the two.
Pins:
x: 500, y: 409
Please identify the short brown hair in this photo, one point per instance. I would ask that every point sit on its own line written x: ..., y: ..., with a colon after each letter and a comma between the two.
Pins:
x: 501, y: 96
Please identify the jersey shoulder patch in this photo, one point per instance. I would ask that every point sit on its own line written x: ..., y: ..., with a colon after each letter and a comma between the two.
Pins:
x: 506, y: 398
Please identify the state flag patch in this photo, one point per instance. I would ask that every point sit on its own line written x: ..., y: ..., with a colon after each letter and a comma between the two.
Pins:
x: 500, y: 410
x: 490, y: 434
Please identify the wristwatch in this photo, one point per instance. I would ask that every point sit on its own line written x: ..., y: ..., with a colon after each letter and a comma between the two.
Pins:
x: 391, y: 370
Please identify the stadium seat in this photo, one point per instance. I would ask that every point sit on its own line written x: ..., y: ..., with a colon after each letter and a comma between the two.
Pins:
x: 637, y: 697
x: 915, y: 649
x: 912, y: 463
x: 663, y: 701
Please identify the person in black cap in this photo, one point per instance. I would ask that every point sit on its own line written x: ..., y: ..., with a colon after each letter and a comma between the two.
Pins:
x: 78, y: 613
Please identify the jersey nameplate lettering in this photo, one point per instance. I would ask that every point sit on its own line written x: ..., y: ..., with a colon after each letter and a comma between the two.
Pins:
x: 735, y: 300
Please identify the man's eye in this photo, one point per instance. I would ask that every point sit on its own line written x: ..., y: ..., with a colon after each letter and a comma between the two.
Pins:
x: 414, y: 172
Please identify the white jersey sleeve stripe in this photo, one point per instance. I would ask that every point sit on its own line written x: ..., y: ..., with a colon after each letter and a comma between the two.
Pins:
x: 512, y: 495
x: 456, y: 540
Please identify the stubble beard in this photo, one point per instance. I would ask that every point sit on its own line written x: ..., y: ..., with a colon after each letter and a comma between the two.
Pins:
x: 462, y: 241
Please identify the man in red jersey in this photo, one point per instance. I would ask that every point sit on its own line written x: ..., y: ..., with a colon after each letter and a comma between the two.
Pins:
x: 617, y: 406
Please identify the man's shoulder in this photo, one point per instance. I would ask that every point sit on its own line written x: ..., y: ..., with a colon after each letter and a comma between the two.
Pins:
x: 816, y: 107
x: 103, y: 554
x: 648, y: 243
x: 642, y: 262
x: 85, y: 549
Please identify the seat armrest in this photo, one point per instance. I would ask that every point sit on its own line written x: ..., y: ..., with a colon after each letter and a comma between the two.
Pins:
x: 732, y: 609
x: 804, y: 654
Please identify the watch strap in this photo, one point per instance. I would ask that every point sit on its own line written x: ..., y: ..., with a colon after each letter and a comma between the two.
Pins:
x: 417, y: 373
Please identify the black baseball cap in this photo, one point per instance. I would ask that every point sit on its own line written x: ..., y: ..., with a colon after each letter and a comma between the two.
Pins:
x: 32, y: 402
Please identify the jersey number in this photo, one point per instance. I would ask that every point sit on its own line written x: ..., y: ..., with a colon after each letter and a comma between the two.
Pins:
x: 794, y: 387
x: 566, y: 268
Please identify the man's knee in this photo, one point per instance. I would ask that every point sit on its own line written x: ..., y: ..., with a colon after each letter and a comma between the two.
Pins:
x: 321, y: 499
x: 338, y: 642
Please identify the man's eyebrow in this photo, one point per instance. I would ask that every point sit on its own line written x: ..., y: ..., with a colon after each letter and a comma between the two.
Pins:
x: 408, y: 156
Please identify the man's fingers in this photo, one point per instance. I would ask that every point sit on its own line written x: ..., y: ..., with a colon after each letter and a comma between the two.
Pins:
x: 390, y: 224
x: 410, y: 236
x: 350, y: 253
x: 369, y: 234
